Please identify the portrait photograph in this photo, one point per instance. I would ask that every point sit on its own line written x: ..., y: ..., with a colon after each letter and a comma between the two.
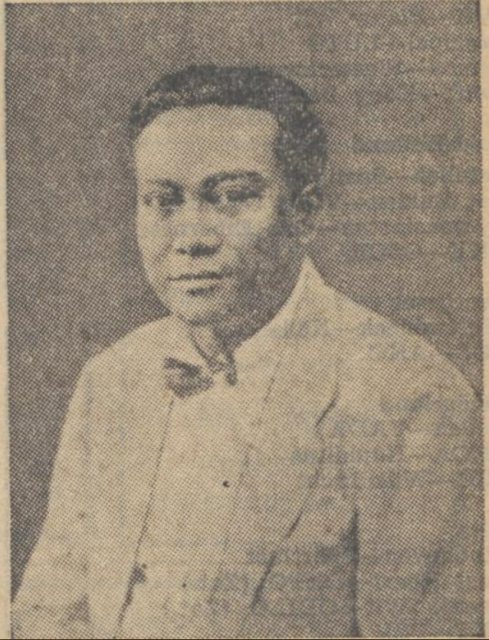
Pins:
x: 245, y: 304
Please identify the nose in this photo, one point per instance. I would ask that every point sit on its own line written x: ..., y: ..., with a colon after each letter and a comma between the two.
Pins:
x: 194, y: 236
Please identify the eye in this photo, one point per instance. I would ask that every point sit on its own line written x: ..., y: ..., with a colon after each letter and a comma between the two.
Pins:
x: 164, y: 203
x: 241, y: 195
x: 232, y: 195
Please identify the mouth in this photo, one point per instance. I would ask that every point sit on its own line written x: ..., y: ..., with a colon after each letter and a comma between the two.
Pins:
x: 199, y: 284
x: 202, y: 275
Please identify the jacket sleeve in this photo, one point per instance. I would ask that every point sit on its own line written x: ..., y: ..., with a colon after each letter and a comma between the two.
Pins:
x: 420, y: 519
x: 52, y: 601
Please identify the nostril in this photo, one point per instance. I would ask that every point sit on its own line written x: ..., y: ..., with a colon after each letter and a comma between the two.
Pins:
x: 198, y: 249
x: 202, y: 250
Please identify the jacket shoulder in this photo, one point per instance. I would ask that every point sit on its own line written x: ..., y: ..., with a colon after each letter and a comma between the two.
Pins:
x: 398, y: 396
x: 134, y: 352
x: 392, y: 361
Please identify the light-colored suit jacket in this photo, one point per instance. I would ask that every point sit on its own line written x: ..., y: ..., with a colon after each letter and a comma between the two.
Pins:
x: 360, y: 512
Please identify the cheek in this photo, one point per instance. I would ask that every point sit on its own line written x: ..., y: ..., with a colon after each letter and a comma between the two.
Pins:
x: 154, y: 235
x: 253, y: 227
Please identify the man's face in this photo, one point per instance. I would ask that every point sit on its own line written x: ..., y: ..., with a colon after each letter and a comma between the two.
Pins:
x: 212, y: 208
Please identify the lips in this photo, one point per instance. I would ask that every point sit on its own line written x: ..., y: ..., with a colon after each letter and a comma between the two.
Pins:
x: 202, y: 275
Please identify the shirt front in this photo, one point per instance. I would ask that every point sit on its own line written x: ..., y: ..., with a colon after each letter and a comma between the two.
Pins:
x: 204, y: 455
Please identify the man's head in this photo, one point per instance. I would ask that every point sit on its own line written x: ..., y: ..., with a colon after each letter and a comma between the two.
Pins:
x: 228, y: 163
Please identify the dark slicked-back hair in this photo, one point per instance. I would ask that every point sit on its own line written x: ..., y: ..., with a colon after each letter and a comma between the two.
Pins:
x: 301, y: 143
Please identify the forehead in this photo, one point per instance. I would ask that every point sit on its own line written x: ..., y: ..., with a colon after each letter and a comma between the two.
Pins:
x: 190, y: 144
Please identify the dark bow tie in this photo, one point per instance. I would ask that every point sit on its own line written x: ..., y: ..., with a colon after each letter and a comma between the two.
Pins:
x: 186, y: 379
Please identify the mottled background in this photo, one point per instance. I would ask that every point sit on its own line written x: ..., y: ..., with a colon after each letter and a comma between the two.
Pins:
x: 398, y: 86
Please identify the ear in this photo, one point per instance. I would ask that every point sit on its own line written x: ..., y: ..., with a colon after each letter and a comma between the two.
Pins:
x: 309, y: 200
x: 306, y: 205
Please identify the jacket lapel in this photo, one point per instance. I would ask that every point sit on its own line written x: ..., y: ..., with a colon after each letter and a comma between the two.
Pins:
x: 284, y: 464
x: 136, y: 424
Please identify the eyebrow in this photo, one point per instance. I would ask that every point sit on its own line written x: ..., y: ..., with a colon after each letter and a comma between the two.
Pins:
x: 213, y: 181
x: 165, y: 182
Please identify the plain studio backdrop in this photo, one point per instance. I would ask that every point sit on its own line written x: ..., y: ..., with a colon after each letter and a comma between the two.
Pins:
x: 398, y: 87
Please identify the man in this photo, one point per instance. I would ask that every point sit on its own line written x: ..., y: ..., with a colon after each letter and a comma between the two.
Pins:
x: 271, y: 460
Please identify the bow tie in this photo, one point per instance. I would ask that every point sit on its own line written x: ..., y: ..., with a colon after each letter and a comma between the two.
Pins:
x: 186, y: 379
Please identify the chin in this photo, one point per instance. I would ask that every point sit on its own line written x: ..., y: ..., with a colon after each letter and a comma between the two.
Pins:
x: 208, y: 306
x: 199, y: 317
x: 199, y: 312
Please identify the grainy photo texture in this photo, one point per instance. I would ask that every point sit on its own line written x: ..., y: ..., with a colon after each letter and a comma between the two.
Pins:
x: 245, y: 297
